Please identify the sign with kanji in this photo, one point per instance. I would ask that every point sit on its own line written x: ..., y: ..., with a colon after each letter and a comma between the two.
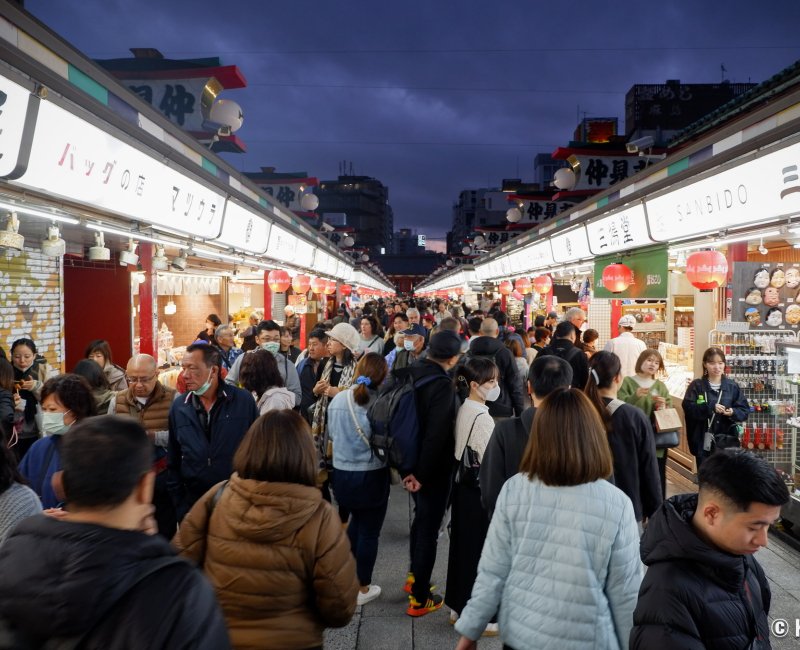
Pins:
x: 287, y: 194
x: 602, y: 172
x: 650, y: 274
x: 299, y: 302
x: 179, y: 100
x: 620, y: 231
x: 536, y: 211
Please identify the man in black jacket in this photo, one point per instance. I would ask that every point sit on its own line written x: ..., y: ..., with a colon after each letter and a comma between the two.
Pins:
x: 563, y: 345
x: 307, y: 369
x: 510, y: 437
x: 510, y: 402
x: 90, y: 575
x: 430, y: 481
x: 703, y: 588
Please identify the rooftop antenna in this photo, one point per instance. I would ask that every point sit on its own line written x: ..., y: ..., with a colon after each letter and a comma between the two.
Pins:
x: 722, y: 71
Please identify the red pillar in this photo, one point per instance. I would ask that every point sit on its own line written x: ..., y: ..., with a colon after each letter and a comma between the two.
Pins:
x: 267, y: 297
x: 148, y: 303
x: 616, y: 314
x: 503, y: 301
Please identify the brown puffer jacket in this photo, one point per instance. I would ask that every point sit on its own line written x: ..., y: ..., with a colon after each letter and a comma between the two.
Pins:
x: 278, y: 559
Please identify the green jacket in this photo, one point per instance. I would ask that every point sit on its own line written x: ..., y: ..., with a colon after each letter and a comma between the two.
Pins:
x: 627, y: 393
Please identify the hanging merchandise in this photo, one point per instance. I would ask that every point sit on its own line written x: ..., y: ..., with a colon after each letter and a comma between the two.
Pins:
x: 278, y: 280
x: 766, y: 295
x: 707, y: 270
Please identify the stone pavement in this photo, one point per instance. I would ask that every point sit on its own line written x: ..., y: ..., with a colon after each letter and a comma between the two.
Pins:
x: 383, y: 624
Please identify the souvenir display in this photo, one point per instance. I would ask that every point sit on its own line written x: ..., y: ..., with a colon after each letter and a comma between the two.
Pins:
x: 766, y: 295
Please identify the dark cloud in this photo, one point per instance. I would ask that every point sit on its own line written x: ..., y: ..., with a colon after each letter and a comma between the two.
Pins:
x: 435, y: 97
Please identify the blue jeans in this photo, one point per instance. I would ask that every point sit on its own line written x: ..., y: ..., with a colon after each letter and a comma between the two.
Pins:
x: 366, y: 496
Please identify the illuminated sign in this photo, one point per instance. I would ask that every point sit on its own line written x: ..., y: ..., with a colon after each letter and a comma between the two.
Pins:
x: 243, y: 229
x: 619, y: 231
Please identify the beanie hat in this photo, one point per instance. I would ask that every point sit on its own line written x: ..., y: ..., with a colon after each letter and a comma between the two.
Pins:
x: 345, y: 334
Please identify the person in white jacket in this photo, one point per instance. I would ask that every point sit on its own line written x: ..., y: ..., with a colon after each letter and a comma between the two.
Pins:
x: 260, y: 375
x: 561, y: 559
x: 626, y: 346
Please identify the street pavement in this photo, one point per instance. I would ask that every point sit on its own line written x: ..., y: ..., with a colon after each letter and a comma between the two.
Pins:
x: 384, y: 625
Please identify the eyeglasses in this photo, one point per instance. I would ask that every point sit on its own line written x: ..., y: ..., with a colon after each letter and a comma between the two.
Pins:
x: 140, y: 380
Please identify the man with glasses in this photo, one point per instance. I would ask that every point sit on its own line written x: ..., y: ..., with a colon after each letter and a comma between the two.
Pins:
x: 149, y: 401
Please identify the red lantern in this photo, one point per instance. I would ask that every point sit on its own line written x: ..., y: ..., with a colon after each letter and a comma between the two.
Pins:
x: 542, y: 284
x: 278, y: 280
x: 459, y: 291
x: 617, y: 277
x: 517, y: 295
x: 506, y: 287
x: 346, y: 289
x: 707, y: 270
x: 301, y: 283
x: 523, y: 285
x: 318, y: 285
x: 330, y: 287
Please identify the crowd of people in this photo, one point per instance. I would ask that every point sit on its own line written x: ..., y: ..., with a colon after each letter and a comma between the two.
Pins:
x: 245, y: 508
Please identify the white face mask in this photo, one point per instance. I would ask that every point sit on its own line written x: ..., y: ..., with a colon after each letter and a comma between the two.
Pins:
x: 490, y: 394
x: 53, y: 424
x: 408, y: 345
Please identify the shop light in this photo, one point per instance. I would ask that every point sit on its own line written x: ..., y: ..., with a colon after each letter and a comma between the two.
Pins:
x: 33, y: 212
x: 214, y: 255
x: 725, y: 240
x: 134, y: 235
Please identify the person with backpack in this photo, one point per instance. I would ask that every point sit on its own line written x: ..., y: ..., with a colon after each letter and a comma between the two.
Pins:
x: 630, y: 436
x: 429, y: 479
x: 563, y: 345
x: 91, y: 579
x: 510, y: 402
x: 360, y: 478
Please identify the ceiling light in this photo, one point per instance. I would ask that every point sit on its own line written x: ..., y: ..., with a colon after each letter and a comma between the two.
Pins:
x: 761, y: 248
x: 159, y: 261
x: 41, y: 214
x: 214, y: 255
x: 53, y: 245
x: 179, y: 263
x: 128, y: 233
x: 129, y: 257
x: 99, y: 252
x: 170, y: 308
x: 10, y: 237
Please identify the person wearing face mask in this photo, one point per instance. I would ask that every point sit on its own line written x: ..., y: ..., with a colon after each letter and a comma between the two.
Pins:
x: 413, y: 347
x: 66, y: 399
x: 206, y: 425
x: 468, y: 519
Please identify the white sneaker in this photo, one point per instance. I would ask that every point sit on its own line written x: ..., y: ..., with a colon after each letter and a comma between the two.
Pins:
x: 491, y: 630
x: 372, y: 593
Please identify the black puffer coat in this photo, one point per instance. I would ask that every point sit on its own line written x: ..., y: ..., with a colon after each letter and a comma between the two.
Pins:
x: 59, y: 578
x: 694, y: 596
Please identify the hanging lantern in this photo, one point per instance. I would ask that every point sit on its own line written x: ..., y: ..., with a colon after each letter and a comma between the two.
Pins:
x: 301, y: 283
x: 278, y: 280
x: 517, y: 295
x: 330, y: 287
x: 345, y: 289
x: 617, y: 277
x: 318, y: 285
x: 459, y: 291
x: 505, y: 287
x: 707, y: 270
x: 523, y: 285
x: 542, y: 284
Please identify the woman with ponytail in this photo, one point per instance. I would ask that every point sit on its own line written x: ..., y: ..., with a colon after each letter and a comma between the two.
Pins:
x: 630, y: 436
x: 360, y: 479
x: 469, y: 522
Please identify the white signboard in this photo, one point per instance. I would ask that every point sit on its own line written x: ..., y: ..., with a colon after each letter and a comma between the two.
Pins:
x: 537, y: 212
x: 766, y: 187
x: 14, y: 101
x: 619, y: 231
x: 304, y: 253
x: 282, y: 244
x: 80, y: 162
x: 244, y: 230
x: 601, y: 172
x: 286, y: 194
x: 178, y: 99
x: 540, y: 255
x: 571, y: 246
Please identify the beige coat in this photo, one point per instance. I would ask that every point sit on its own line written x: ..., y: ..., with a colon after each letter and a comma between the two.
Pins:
x: 278, y: 559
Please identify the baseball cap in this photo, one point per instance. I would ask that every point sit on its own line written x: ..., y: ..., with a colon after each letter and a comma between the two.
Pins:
x: 414, y: 330
x: 552, y: 314
x: 444, y: 345
x: 627, y: 321
x: 429, y: 318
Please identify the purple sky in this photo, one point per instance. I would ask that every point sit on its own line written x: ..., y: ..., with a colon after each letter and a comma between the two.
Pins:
x: 434, y: 97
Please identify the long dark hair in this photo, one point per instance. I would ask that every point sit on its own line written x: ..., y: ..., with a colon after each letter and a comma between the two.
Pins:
x: 604, y: 369
x: 7, y: 375
x: 9, y: 473
x: 92, y: 373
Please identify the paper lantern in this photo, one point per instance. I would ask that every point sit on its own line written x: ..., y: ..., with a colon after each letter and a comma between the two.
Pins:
x: 564, y: 179
x: 330, y: 287
x: 523, y: 285
x: 617, y: 277
x: 707, y: 270
x: 517, y: 295
x: 542, y: 284
x: 505, y: 287
x: 514, y: 215
x: 318, y: 285
x: 301, y: 283
x: 345, y: 289
x: 278, y: 280
x: 459, y: 291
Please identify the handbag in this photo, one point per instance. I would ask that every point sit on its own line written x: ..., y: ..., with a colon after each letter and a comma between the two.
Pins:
x: 667, y: 428
x: 468, y: 470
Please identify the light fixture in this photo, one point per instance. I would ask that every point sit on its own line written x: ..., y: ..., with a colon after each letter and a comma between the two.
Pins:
x: 170, y: 308
x: 10, y: 237
x: 466, y: 250
x: 309, y: 202
x: 514, y: 215
x: 99, y: 252
x: 214, y: 255
x: 179, y: 263
x: 159, y: 261
x: 127, y: 233
x: 348, y: 241
x: 640, y: 144
x: 33, y: 212
x: 365, y: 258
x: 479, y: 241
x: 129, y: 257
x: 53, y: 245
x: 761, y: 248
x: 450, y: 263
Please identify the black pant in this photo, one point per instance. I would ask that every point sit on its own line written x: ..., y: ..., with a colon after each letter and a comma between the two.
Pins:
x: 430, y: 504
x: 662, y: 472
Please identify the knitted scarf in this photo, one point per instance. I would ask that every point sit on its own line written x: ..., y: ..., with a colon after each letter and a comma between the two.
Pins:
x: 318, y: 422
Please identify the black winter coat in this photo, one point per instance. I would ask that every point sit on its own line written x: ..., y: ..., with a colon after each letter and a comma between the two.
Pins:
x: 59, y: 578
x: 511, y: 401
x: 698, y: 407
x: 694, y: 596
x: 574, y: 356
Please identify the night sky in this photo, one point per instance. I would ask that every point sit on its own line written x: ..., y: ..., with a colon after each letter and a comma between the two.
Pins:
x: 434, y: 97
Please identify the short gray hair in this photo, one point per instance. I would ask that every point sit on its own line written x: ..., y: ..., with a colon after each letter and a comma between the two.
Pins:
x: 572, y: 312
x: 413, y: 311
x: 221, y: 329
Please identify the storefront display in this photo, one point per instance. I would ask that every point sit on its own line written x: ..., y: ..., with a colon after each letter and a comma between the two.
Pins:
x: 650, y: 319
x: 765, y: 295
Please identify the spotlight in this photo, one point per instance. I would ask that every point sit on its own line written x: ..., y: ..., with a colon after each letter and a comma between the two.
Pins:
x: 179, y: 263
x: 10, y: 237
x: 160, y: 261
x: 99, y: 252
x: 53, y: 245
x: 129, y: 257
x: 762, y: 249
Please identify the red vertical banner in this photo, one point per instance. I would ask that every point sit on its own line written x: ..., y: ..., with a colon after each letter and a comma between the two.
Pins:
x: 148, y: 303
x: 267, y: 297
x: 616, y: 314
x: 503, y: 302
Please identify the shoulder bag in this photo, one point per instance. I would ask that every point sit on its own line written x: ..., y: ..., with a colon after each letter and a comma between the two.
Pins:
x: 667, y: 428
x: 469, y: 467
